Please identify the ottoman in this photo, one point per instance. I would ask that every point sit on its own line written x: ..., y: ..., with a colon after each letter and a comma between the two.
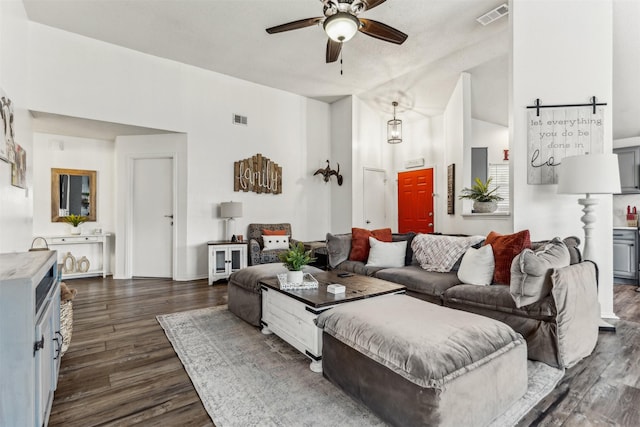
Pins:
x: 244, y: 298
x: 416, y: 363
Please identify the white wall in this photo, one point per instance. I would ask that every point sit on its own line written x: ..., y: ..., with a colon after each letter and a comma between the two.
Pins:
x: 370, y: 150
x: 341, y: 152
x: 16, y: 204
x: 459, y: 137
x: 492, y: 136
x: 421, y: 139
x: 566, y: 63
x: 77, y: 76
x: 67, y: 152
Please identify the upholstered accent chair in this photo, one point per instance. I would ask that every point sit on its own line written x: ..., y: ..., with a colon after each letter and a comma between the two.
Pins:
x: 257, y: 253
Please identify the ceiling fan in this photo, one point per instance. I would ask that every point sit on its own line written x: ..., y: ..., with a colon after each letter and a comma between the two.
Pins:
x: 341, y: 22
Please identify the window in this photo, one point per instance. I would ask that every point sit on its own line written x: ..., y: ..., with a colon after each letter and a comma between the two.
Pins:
x: 499, y: 174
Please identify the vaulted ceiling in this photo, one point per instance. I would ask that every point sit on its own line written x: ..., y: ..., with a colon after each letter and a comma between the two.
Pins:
x: 228, y: 36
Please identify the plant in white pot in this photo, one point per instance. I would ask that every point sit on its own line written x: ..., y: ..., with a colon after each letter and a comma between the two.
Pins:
x: 294, y: 259
x: 75, y: 221
x: 484, y: 199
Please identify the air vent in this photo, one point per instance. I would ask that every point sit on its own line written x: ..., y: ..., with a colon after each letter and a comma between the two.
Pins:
x: 494, y: 14
x: 237, y: 119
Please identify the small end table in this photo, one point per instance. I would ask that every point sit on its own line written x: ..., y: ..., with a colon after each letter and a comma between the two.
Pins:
x: 224, y: 258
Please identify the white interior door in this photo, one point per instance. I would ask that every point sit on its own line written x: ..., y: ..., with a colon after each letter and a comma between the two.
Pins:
x: 375, y: 215
x: 152, y: 231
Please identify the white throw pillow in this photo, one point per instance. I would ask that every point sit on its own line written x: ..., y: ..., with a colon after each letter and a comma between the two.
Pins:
x: 276, y: 242
x: 386, y: 254
x: 477, y: 266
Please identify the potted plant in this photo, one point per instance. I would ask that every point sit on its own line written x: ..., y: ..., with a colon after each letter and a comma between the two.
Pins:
x: 294, y: 259
x: 484, y: 200
x: 74, y: 221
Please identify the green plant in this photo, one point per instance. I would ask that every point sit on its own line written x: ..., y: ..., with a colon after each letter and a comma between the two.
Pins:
x: 296, y: 257
x: 74, y: 220
x: 480, y: 192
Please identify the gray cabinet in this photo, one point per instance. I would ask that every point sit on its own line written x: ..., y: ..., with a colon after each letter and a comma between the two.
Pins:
x: 31, y: 339
x: 625, y: 256
x: 629, y: 164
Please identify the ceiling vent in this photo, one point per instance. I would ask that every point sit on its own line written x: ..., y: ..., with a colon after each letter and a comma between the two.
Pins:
x: 237, y: 119
x: 494, y: 14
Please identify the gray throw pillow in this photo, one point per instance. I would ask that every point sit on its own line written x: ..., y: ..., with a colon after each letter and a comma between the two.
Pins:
x: 338, y: 248
x: 531, y: 271
x: 408, y: 237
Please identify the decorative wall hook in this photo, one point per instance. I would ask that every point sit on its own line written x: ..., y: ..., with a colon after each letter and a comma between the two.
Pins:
x: 327, y: 172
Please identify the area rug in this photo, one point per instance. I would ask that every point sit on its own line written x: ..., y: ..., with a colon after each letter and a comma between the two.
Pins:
x: 245, y: 378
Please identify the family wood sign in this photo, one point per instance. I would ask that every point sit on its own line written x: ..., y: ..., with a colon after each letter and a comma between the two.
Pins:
x: 258, y: 174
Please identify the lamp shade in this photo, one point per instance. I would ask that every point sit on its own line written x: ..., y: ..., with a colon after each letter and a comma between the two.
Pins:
x: 589, y: 174
x: 341, y: 27
x: 230, y: 210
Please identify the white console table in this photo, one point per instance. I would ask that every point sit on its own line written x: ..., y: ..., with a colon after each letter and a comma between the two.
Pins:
x: 63, y: 245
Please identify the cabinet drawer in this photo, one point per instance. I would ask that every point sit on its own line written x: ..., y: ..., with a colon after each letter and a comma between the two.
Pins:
x: 74, y: 239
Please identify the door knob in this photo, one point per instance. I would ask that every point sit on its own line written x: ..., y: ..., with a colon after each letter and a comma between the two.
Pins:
x: 368, y: 222
x: 430, y: 224
x: 430, y: 213
x: 169, y: 216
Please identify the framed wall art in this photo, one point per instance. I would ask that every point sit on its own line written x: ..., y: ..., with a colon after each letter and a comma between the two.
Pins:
x: 19, y: 168
x: 7, y: 144
x: 451, y: 184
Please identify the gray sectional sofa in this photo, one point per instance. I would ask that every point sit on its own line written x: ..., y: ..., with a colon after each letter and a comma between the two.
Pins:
x: 560, y: 329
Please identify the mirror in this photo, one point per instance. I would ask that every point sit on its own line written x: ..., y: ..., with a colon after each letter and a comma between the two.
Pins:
x: 73, y: 191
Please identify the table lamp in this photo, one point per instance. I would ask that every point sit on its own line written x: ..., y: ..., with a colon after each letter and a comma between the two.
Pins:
x: 230, y: 211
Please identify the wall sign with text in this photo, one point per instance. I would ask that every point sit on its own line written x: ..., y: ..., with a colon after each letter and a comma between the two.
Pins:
x: 558, y: 133
x: 258, y: 174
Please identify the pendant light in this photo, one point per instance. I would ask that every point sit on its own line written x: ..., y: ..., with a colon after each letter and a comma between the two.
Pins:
x: 394, y: 127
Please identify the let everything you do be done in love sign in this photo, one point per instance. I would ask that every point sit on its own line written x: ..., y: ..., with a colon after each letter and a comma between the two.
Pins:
x: 557, y: 133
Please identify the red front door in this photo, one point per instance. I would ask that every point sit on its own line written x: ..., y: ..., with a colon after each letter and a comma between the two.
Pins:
x: 415, y: 201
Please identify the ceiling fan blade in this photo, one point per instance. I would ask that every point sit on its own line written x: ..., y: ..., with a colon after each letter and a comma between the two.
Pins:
x: 373, y: 3
x: 302, y: 23
x: 333, y: 50
x: 382, y: 31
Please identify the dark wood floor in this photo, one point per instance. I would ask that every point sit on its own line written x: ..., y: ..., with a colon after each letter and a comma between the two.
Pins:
x: 121, y: 369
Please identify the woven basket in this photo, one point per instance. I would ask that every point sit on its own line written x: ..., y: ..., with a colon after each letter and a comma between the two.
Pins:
x: 41, y: 248
x: 66, y: 325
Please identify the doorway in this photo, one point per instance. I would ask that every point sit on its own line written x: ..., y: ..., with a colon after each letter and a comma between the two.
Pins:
x: 152, y: 217
x: 415, y: 201
x: 374, y: 206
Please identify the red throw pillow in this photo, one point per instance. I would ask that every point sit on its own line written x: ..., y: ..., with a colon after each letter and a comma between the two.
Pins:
x: 505, y: 248
x: 360, y: 242
x: 266, y: 232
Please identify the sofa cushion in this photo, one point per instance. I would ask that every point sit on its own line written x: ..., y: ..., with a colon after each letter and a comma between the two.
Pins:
x: 338, y: 248
x: 386, y: 254
x: 358, y: 267
x: 531, y: 271
x: 440, y: 252
x: 267, y: 232
x: 498, y: 298
x: 505, y: 248
x: 572, y: 243
x: 477, y: 266
x: 406, y: 237
x: 360, y: 241
x: 418, y: 280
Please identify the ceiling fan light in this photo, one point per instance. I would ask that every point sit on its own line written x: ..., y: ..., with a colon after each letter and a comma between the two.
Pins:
x: 341, y: 27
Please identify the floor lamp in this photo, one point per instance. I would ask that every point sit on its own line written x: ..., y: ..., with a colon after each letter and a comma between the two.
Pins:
x: 589, y: 174
x: 230, y: 211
